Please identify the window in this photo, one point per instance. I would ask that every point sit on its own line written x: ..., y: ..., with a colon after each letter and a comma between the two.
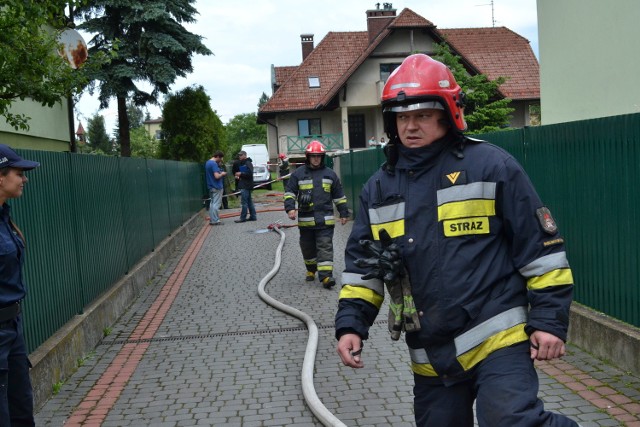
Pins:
x: 387, y: 69
x: 159, y: 135
x: 314, y: 81
x: 308, y: 127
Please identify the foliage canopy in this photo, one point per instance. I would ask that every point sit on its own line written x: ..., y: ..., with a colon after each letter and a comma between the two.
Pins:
x: 485, y: 110
x: 30, y: 66
x: 151, y: 47
x: 192, y: 130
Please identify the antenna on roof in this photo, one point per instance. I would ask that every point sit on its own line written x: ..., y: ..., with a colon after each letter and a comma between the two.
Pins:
x: 493, y: 19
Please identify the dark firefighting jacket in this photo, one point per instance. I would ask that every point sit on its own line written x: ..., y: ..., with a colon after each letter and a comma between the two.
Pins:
x: 316, y: 191
x: 479, y: 248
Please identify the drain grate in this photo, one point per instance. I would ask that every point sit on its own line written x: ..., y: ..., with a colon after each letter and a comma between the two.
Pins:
x: 216, y: 335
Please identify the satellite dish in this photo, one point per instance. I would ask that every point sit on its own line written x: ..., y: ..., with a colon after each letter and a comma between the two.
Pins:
x: 73, y: 49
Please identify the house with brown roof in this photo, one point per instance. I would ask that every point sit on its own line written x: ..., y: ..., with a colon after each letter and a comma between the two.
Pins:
x: 334, y: 94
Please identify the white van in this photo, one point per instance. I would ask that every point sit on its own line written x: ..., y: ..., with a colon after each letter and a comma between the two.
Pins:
x: 260, y: 159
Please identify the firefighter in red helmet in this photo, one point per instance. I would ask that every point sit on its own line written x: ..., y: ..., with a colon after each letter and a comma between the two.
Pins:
x: 472, y: 260
x: 316, y: 188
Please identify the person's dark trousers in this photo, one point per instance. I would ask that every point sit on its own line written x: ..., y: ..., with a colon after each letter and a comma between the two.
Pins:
x: 247, y: 205
x: 16, y: 395
x: 505, y: 388
x: 317, y: 250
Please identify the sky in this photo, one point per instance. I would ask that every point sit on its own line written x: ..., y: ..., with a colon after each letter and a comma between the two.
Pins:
x: 248, y: 36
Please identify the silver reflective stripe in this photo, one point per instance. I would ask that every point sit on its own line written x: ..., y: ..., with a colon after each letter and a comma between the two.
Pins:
x: 545, y: 264
x: 478, y: 334
x: 434, y: 105
x: 418, y: 355
x: 339, y: 199
x: 306, y: 218
x: 305, y: 182
x: 288, y: 194
x: 327, y: 181
x: 355, y: 279
x: 328, y: 218
x: 386, y: 213
x: 475, y: 190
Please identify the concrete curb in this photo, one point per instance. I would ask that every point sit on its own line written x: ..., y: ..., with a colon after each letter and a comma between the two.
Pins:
x: 606, y: 338
x: 57, y: 358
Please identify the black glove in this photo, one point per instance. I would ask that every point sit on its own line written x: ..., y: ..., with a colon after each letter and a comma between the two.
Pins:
x: 385, y: 261
x: 305, y: 202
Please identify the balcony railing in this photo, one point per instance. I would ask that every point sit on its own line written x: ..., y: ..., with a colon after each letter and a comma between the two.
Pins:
x: 297, y: 144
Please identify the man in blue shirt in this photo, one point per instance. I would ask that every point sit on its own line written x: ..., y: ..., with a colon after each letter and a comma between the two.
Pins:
x: 215, y: 176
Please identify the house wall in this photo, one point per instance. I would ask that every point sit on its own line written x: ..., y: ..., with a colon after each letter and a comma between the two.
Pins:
x: 401, y: 41
x: 153, y: 128
x: 48, y: 127
x: 586, y: 68
x: 364, y: 87
x: 288, y: 125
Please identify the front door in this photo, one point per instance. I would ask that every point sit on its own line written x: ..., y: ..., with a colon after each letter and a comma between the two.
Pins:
x: 357, y: 138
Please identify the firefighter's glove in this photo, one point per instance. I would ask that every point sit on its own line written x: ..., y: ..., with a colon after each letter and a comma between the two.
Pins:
x: 385, y: 260
x: 305, y: 202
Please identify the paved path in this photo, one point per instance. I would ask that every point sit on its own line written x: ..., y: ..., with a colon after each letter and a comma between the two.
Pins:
x: 199, y: 347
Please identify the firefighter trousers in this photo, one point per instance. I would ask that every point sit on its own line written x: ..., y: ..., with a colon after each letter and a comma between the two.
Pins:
x: 504, y: 387
x: 317, y: 250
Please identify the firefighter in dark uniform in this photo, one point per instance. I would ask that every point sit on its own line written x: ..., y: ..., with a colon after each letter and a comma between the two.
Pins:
x: 472, y: 260
x: 316, y: 188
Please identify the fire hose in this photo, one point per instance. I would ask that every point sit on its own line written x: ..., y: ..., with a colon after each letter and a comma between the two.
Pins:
x: 317, y: 407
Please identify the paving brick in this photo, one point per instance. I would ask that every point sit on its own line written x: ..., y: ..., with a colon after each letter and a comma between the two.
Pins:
x: 222, y: 357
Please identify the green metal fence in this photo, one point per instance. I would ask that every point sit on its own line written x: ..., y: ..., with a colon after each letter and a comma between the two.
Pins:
x: 88, y: 220
x: 586, y: 173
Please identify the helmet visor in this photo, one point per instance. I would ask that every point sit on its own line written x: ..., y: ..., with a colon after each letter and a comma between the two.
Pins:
x: 434, y: 105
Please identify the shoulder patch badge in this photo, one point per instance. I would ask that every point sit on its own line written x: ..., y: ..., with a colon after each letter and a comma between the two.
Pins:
x: 547, y: 222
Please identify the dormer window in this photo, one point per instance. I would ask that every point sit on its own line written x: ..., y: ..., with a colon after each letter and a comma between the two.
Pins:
x: 314, y: 81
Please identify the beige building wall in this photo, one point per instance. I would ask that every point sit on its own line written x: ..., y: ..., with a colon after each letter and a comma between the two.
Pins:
x: 588, y: 62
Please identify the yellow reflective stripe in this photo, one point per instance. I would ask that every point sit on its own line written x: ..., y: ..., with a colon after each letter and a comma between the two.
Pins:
x: 307, y: 223
x: 424, y: 369
x: 340, y: 200
x: 326, y: 187
x: 561, y: 276
x: 310, y: 261
x: 289, y: 196
x: 500, y: 340
x: 358, y: 292
x: 395, y: 229
x: 470, y: 359
x: 325, y: 266
x: 468, y: 208
x: 306, y: 186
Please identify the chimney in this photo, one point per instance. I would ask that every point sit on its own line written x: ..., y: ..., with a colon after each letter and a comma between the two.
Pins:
x: 378, y: 19
x: 307, y: 45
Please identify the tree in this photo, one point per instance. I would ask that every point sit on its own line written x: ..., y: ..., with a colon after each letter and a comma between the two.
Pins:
x: 151, y: 46
x: 135, y: 115
x: 485, y: 111
x: 263, y: 100
x: 192, y: 130
x: 29, y: 64
x: 142, y: 144
x: 244, y: 129
x: 97, y: 137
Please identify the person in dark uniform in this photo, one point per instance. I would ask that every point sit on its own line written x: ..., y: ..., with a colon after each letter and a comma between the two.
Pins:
x: 471, y: 258
x: 16, y: 394
x: 316, y: 188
